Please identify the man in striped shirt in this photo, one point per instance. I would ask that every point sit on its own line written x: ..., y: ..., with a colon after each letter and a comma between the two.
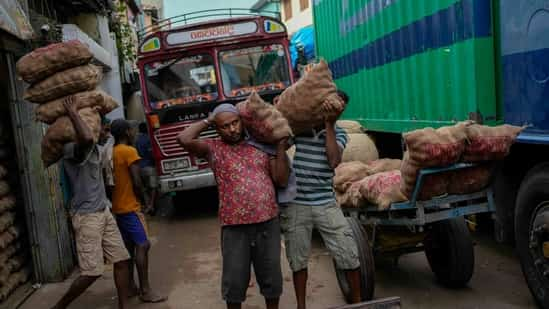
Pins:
x: 317, y: 155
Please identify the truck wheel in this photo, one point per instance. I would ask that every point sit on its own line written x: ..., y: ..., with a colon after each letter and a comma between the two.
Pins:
x: 367, y: 265
x: 532, y: 232
x: 449, y: 250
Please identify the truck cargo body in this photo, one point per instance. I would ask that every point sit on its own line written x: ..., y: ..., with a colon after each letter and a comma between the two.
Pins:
x: 410, y: 64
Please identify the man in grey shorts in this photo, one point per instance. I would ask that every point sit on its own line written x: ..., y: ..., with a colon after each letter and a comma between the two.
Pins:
x: 316, y: 157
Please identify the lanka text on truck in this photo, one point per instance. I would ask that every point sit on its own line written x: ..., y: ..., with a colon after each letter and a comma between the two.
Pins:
x: 188, y: 70
x: 415, y: 64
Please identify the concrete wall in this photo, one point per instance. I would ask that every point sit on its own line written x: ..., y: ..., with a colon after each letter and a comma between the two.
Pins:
x: 299, y: 18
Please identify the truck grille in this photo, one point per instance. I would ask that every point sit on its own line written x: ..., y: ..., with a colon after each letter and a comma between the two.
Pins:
x: 167, y: 139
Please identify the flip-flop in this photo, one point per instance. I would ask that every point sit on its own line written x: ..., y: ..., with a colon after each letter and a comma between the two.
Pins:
x: 154, y: 300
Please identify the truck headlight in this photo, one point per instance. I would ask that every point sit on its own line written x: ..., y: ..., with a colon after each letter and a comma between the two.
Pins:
x: 176, y: 164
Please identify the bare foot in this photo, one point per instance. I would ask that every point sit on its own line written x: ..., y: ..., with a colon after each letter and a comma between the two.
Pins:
x: 151, y: 297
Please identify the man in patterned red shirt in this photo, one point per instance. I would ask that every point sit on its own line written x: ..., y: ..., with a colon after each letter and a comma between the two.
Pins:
x: 246, y: 179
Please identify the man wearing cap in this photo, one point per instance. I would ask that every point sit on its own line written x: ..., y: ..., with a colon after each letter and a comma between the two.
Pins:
x: 97, y: 237
x: 246, y: 179
x: 127, y: 199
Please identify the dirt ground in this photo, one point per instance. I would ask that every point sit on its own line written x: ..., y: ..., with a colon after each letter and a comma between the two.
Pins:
x: 186, y: 266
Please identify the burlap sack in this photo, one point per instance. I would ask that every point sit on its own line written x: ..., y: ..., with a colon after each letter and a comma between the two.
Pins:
x: 7, y: 203
x: 62, y: 132
x: 348, y: 172
x: 383, y: 165
x: 4, y: 188
x: 45, y: 61
x: 469, y: 180
x: 15, y: 280
x: 49, y: 112
x: 382, y: 189
x: 352, y: 197
x: 433, y: 185
x: 10, y: 251
x: 302, y: 103
x: 350, y: 126
x: 64, y: 83
x: 7, y: 237
x: 489, y: 143
x: 262, y: 120
x: 360, y: 147
x: 6, y: 220
x: 429, y: 147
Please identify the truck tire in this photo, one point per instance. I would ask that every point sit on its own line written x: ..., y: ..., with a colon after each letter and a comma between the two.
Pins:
x: 532, y: 232
x: 367, y: 265
x: 449, y: 250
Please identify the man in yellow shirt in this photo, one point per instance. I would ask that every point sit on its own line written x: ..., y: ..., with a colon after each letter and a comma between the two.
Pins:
x: 127, y: 200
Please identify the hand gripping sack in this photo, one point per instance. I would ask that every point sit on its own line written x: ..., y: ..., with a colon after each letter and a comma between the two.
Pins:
x: 429, y: 147
x: 262, y: 120
x: 489, y: 143
x: 382, y: 189
x: 50, y: 111
x: 45, y: 61
x: 302, y: 103
x: 64, y: 83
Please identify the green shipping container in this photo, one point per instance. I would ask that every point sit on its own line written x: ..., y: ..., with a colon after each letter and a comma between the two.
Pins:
x: 408, y: 64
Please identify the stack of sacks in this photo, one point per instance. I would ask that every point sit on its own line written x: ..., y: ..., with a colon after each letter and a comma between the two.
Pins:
x: 262, y: 120
x: 12, y: 258
x: 306, y: 103
x: 431, y: 148
x: 56, y: 72
x: 378, y: 182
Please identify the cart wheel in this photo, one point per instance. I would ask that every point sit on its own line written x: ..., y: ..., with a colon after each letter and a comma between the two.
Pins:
x: 449, y: 250
x: 367, y: 266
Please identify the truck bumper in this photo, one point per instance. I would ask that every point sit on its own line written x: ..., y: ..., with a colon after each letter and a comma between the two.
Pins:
x: 187, y: 181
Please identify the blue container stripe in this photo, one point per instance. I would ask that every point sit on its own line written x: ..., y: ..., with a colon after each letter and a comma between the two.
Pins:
x: 526, y: 90
x: 464, y: 20
x: 364, y: 15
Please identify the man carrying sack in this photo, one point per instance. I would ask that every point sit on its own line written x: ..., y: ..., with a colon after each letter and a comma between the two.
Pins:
x: 96, y: 233
x: 317, y: 154
x: 246, y: 179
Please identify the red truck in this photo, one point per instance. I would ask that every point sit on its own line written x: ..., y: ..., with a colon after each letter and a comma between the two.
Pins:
x: 188, y: 70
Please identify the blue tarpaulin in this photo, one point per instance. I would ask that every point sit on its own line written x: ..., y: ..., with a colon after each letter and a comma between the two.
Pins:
x: 303, y: 37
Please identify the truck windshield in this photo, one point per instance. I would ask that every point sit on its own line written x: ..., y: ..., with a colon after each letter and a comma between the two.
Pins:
x: 260, y: 68
x: 181, y: 81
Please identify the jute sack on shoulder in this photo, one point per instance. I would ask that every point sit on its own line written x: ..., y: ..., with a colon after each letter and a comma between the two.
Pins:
x: 50, y: 111
x: 64, y: 83
x: 262, y: 120
x: 302, y: 103
x: 45, y: 61
x: 489, y: 143
x: 62, y: 132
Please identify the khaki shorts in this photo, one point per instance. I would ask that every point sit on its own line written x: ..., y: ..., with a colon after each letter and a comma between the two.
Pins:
x: 98, y: 240
x: 297, y: 223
